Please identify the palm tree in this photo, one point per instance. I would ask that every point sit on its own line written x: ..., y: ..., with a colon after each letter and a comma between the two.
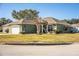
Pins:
x: 15, y: 14
x: 31, y: 14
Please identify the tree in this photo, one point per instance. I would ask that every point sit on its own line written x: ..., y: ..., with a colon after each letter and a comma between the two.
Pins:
x: 27, y: 13
x: 71, y: 21
x: 15, y: 14
x: 4, y: 21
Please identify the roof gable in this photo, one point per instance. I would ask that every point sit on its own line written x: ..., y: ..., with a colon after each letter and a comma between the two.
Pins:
x: 51, y: 20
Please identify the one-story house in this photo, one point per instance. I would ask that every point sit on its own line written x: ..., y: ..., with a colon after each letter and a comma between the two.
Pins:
x: 25, y: 26
x: 38, y: 25
x: 75, y: 27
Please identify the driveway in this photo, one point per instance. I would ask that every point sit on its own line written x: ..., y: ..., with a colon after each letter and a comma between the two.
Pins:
x: 40, y: 50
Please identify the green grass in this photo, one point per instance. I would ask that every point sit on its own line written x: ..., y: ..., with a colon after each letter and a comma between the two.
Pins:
x: 48, y: 38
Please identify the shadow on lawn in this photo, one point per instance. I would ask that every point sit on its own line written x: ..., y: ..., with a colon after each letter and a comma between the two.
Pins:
x: 38, y: 43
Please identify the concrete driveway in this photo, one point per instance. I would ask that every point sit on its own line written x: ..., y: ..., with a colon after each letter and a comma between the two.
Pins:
x: 40, y: 50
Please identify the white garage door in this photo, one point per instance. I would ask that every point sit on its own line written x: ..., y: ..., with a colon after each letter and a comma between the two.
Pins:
x: 15, y: 30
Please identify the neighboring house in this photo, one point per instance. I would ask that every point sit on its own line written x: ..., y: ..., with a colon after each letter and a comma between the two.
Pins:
x: 24, y: 26
x: 75, y: 27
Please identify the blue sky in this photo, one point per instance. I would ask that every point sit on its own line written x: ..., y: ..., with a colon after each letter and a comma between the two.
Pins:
x: 59, y: 11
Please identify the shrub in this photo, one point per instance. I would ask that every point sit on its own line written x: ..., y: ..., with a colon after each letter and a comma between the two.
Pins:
x: 23, y: 32
x: 7, y: 30
x: 0, y: 29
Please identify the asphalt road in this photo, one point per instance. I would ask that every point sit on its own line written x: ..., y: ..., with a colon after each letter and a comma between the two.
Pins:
x: 40, y: 50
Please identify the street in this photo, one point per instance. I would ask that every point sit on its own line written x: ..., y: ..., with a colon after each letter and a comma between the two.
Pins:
x: 40, y: 50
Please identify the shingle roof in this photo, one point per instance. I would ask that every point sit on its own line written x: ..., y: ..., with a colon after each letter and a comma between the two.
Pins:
x: 51, y: 20
x: 64, y: 23
x: 75, y: 25
x: 25, y: 21
x: 47, y: 20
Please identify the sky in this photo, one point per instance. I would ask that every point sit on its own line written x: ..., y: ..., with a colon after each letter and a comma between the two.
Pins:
x: 57, y: 10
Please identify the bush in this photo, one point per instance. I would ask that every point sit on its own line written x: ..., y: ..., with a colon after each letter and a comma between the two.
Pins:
x: 57, y: 31
x: 23, y: 32
x: 7, y: 30
x: 0, y: 29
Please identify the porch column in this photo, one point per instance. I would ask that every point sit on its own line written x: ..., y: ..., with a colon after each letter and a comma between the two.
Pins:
x: 38, y: 29
x: 42, y: 28
x: 47, y: 28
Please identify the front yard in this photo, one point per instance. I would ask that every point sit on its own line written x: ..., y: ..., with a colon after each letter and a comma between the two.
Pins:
x: 47, y: 38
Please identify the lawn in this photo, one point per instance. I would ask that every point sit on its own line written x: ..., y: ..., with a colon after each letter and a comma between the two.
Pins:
x: 47, y: 38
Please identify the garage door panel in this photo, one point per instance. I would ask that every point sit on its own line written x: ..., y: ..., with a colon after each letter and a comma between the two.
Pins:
x: 15, y: 30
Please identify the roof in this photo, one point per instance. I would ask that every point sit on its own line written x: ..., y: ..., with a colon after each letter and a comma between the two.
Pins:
x: 64, y: 23
x: 26, y: 21
x: 47, y: 20
x: 51, y: 20
x: 75, y: 25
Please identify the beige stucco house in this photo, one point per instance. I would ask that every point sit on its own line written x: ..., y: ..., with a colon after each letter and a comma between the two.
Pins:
x: 38, y: 25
